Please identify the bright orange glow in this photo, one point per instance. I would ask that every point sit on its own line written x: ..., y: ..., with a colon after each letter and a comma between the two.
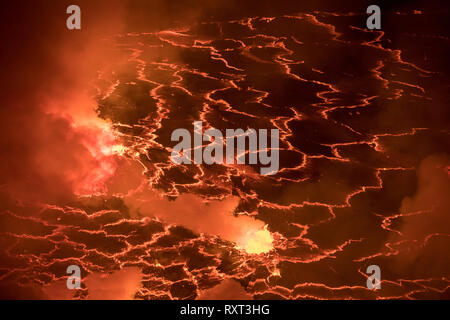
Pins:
x: 119, y: 149
x: 103, y: 148
x: 257, y: 241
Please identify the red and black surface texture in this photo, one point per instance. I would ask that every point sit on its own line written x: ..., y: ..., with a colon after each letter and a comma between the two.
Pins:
x: 86, y: 176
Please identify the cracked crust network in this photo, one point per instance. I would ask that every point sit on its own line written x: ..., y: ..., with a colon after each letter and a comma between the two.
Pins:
x: 351, y: 114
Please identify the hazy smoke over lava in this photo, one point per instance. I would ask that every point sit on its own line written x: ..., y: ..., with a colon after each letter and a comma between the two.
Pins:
x: 55, y: 143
